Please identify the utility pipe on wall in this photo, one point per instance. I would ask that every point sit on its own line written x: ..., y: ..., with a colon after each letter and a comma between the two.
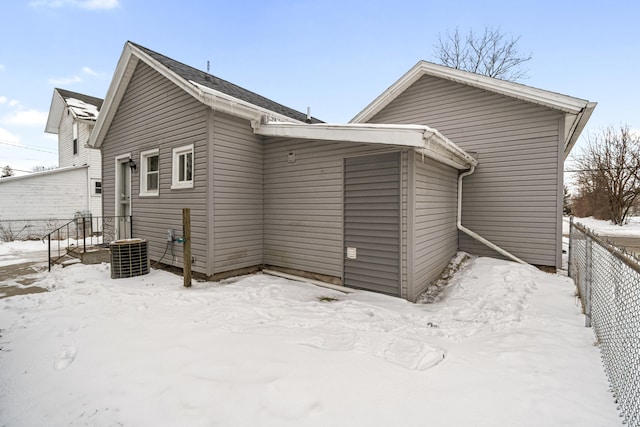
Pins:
x: 475, y: 235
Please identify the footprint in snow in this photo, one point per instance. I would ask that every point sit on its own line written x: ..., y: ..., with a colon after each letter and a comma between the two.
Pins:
x: 65, y: 358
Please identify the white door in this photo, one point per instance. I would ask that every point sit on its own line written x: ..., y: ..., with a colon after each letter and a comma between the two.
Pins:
x: 123, y: 198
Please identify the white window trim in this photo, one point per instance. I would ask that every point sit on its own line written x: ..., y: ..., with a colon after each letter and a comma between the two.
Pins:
x: 75, y: 138
x: 143, y: 173
x: 94, y: 185
x: 177, y: 152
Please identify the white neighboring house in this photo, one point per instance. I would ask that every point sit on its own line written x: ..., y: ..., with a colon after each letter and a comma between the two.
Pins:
x: 75, y: 187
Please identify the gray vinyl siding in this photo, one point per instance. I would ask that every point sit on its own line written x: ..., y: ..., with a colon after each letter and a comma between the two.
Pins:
x: 303, y: 203
x: 404, y: 222
x: 237, y: 188
x: 512, y: 198
x: 435, y: 231
x: 372, y: 202
x: 154, y: 113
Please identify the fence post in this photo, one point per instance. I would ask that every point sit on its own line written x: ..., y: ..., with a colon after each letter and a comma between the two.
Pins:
x: 587, y: 280
x: 186, y: 232
x: 570, y: 244
x: 84, y: 234
x: 49, y: 249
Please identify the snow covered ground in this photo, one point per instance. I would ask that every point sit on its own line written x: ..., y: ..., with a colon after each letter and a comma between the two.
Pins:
x: 22, y: 251
x: 607, y: 228
x: 504, y: 346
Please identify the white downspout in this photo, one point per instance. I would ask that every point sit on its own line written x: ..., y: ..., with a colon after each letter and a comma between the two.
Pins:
x: 471, y: 233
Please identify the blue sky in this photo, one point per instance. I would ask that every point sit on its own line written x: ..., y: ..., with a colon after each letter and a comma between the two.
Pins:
x: 334, y: 56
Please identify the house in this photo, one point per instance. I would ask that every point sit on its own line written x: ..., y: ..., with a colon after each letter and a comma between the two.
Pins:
x: 72, y: 189
x: 72, y: 117
x: 521, y: 136
x: 371, y: 204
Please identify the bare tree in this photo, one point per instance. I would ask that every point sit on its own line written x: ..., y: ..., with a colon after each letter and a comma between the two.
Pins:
x: 566, y: 201
x: 490, y: 53
x: 608, y: 175
x: 7, y: 171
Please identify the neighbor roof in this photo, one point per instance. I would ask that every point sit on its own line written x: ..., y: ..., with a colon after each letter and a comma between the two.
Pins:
x: 206, y: 88
x: 83, y: 107
x: 577, y: 110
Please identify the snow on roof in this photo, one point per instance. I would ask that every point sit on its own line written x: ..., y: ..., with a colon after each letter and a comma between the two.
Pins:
x: 81, y: 109
x: 84, y: 107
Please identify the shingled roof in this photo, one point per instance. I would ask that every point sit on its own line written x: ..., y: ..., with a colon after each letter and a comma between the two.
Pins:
x: 84, y: 108
x: 91, y: 100
x: 192, y: 74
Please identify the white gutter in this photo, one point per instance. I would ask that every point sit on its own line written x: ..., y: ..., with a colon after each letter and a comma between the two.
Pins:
x: 220, y: 101
x: 425, y: 140
x: 473, y: 234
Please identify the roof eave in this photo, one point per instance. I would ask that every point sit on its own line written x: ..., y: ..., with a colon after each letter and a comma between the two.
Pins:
x: 121, y: 77
x: 578, y: 126
x: 56, y: 110
x: 556, y: 101
x: 220, y: 101
x: 427, y: 141
x: 210, y: 97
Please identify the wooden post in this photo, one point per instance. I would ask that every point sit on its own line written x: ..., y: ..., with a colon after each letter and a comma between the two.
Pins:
x: 186, y: 232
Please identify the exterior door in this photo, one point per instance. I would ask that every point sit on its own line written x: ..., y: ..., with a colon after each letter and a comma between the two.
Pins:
x: 372, y: 223
x: 123, y: 198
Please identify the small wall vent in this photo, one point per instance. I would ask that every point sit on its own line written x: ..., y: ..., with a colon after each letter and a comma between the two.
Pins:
x: 129, y: 258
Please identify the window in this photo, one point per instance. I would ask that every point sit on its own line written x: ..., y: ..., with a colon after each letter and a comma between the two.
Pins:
x: 97, y: 189
x: 150, y: 173
x: 74, y: 128
x: 182, y: 174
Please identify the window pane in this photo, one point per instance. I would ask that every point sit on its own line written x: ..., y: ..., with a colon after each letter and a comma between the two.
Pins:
x: 181, y: 167
x: 152, y: 181
x: 152, y: 163
x: 189, y: 176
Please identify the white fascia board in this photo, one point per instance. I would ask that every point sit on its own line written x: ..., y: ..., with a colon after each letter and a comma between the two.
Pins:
x: 210, y: 97
x: 576, y: 126
x: 205, y: 95
x: 391, y: 93
x: 441, y: 148
x: 411, y: 137
x: 429, y: 142
x: 121, y: 77
x: 556, y: 101
x: 55, y: 113
x: 220, y: 101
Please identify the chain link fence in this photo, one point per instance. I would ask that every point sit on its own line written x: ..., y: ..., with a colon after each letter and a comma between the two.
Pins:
x: 608, y: 281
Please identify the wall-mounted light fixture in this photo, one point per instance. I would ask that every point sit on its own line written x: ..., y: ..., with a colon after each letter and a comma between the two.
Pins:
x: 132, y: 165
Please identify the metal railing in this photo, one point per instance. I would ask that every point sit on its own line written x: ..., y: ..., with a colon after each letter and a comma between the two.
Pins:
x: 87, y: 231
x: 608, y: 282
x: 27, y: 229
